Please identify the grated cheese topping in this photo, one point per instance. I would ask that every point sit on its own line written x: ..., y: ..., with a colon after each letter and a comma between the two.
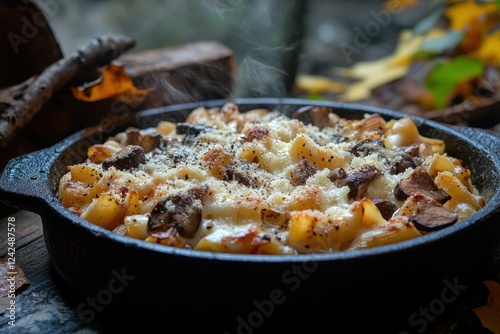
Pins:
x: 259, y: 182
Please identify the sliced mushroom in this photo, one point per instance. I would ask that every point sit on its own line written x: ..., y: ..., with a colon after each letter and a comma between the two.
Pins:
x: 150, y: 141
x: 402, y: 162
x: 337, y: 174
x: 413, y: 150
x: 182, y: 212
x: 129, y: 157
x: 301, y: 172
x: 133, y: 136
x: 386, y: 208
x: 191, y: 130
x: 358, y: 181
x: 270, y: 217
x: 367, y: 147
x: 431, y: 215
x: 240, y: 172
x: 420, y: 182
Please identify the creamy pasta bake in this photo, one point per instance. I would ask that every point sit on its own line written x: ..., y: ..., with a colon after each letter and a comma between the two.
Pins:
x: 259, y: 182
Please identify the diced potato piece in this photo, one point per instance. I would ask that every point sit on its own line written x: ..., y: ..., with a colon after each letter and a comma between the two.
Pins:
x: 86, y: 173
x: 217, y: 159
x: 246, y: 240
x: 133, y: 202
x: 370, y: 213
x: 398, y: 229
x: 308, y: 197
x: 303, y: 147
x: 256, y: 152
x: 97, y: 153
x: 312, y: 230
x: 198, y: 115
x: 73, y: 193
x: 165, y: 128
x: 105, y: 211
x: 137, y: 226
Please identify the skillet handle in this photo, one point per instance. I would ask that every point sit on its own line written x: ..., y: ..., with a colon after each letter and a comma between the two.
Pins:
x: 24, y: 181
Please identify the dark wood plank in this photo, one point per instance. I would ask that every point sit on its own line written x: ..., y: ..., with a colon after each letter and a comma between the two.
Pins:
x: 28, y: 229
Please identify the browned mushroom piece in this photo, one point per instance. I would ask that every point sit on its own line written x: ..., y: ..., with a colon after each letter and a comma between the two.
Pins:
x: 420, y: 182
x: 270, y: 217
x: 412, y: 150
x: 366, y: 147
x: 129, y: 157
x: 318, y: 116
x: 337, y: 173
x: 133, y: 136
x: 386, y: 208
x: 402, y: 162
x: 150, y: 141
x: 240, y: 172
x: 301, y: 172
x: 182, y: 212
x: 358, y: 181
x: 198, y: 192
x: 191, y: 130
x: 431, y: 215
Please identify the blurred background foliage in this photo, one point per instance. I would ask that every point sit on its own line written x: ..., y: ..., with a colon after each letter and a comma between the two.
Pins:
x: 271, y: 39
x: 376, y: 52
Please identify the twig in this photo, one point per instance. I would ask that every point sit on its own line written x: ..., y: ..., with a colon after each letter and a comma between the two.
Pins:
x: 98, y: 52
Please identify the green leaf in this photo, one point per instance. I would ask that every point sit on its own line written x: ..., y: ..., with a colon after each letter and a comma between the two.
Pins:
x: 422, y: 55
x: 498, y: 3
x: 445, y: 76
x: 315, y: 96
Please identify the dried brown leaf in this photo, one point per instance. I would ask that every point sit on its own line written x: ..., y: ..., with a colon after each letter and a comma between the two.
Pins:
x: 113, y: 82
x: 12, y: 278
x: 489, y: 314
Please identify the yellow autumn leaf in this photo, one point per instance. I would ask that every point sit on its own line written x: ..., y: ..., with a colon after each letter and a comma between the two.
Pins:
x: 113, y: 82
x: 475, y: 19
x: 362, y: 89
x: 488, y: 51
x: 372, y: 74
x: 489, y: 314
x: 461, y: 14
x: 318, y: 84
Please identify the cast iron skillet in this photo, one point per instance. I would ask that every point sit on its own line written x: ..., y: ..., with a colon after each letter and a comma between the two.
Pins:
x: 243, y: 293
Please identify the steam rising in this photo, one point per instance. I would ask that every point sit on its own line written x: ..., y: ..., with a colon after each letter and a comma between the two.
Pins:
x: 261, y: 30
x: 263, y: 35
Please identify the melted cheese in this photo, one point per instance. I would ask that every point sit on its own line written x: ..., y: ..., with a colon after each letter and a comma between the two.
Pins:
x: 269, y: 182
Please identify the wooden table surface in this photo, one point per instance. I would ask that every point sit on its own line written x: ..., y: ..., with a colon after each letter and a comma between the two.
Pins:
x: 48, y: 304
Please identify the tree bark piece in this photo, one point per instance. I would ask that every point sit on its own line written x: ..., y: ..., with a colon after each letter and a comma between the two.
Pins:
x: 100, y: 51
x: 28, y: 44
x: 195, y: 71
